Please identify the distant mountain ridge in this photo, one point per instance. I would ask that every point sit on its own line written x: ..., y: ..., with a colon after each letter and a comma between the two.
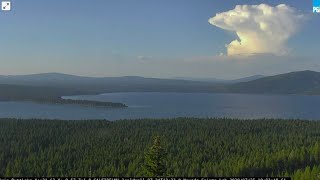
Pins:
x: 301, y: 82
x: 48, y: 78
x: 221, y: 81
x: 246, y: 79
x: 106, y: 84
x: 66, y: 77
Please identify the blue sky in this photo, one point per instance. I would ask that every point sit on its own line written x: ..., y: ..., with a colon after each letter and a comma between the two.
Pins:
x: 154, y: 38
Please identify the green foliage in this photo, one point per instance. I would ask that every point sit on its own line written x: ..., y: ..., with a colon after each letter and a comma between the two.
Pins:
x: 194, y: 147
x: 155, y: 159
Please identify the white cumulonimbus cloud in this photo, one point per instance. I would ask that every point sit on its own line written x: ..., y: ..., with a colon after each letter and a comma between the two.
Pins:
x: 260, y: 28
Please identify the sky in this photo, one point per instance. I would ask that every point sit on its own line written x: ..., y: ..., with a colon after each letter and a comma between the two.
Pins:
x: 159, y: 38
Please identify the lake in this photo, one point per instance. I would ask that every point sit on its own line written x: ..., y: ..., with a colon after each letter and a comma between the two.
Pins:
x: 169, y: 105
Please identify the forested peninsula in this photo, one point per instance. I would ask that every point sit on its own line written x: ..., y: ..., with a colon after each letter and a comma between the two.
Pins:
x: 49, y: 95
x: 80, y: 102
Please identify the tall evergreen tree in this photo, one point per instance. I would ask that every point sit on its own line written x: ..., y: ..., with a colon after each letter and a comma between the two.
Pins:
x: 155, y: 165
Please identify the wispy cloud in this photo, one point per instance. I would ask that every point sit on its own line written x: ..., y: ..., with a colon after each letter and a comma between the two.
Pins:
x: 145, y: 58
x: 260, y: 28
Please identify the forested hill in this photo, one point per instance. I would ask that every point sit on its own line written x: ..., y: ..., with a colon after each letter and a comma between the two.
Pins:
x: 302, y: 82
x: 193, y: 147
x: 21, y: 92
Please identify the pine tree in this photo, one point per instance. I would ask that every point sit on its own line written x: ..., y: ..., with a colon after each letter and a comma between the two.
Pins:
x: 155, y: 159
x: 8, y: 170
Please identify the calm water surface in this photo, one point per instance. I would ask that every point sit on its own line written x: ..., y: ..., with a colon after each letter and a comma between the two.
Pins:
x: 169, y: 105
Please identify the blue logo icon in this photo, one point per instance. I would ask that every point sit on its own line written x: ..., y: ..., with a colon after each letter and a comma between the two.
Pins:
x: 316, y: 6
